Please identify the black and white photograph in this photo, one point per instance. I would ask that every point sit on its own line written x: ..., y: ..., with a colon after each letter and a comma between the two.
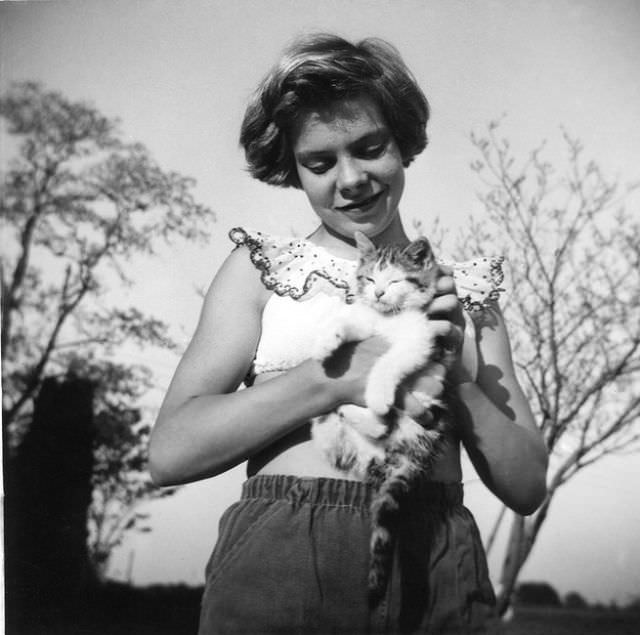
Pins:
x: 320, y: 317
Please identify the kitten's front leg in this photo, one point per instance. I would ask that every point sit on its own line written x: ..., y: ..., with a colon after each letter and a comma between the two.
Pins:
x: 360, y: 323
x: 330, y: 335
x: 351, y: 323
x: 412, y: 344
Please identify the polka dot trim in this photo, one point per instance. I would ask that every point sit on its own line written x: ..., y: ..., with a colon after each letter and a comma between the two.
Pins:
x: 299, y: 269
x: 296, y: 268
x: 478, y: 281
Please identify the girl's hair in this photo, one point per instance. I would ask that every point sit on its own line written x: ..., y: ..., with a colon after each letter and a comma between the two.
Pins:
x: 316, y: 71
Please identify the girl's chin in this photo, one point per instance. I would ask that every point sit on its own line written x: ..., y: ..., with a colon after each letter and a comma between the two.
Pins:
x: 375, y: 227
x: 347, y: 230
x: 370, y: 224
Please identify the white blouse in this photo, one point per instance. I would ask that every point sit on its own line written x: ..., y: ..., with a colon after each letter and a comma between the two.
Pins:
x: 309, y: 284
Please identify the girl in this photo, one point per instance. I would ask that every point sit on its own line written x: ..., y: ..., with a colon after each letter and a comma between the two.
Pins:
x: 341, y: 122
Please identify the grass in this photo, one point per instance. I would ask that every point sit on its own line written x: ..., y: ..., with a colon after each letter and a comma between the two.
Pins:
x: 173, y: 610
x: 561, y: 621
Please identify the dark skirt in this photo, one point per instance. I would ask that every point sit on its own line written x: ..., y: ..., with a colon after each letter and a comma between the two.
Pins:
x: 293, y: 556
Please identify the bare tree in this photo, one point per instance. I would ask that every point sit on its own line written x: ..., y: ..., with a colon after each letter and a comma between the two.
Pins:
x: 571, y: 241
x: 77, y: 205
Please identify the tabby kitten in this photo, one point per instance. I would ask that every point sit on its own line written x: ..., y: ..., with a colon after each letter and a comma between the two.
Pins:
x: 380, y: 444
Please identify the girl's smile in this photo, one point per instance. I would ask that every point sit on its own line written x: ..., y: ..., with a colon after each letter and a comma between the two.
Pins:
x: 363, y: 205
x: 350, y: 168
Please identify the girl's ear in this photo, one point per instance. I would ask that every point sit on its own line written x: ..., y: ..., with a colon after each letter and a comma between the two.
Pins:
x: 419, y: 252
x: 365, y: 246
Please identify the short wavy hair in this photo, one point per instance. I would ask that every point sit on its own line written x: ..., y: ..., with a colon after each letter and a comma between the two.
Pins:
x: 316, y: 71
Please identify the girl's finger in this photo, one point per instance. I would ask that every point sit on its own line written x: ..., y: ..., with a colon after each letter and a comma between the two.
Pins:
x: 444, y: 305
x: 445, y: 285
x: 449, y: 332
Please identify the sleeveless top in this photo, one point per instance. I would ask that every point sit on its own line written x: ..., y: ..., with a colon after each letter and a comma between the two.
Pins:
x: 309, y: 283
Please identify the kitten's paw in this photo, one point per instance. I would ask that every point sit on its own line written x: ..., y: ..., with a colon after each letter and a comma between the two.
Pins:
x: 375, y: 429
x: 364, y: 422
x: 379, y: 398
x: 343, y: 459
x: 426, y: 400
x: 325, y: 345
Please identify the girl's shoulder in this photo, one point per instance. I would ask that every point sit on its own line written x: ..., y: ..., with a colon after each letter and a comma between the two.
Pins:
x: 295, y: 267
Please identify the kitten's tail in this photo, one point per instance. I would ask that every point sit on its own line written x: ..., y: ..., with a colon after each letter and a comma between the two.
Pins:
x: 405, y: 467
x: 385, y: 508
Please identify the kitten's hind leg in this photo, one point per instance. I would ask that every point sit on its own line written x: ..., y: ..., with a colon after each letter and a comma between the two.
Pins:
x: 331, y: 435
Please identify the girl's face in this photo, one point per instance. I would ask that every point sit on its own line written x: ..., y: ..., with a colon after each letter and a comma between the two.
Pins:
x: 350, y: 167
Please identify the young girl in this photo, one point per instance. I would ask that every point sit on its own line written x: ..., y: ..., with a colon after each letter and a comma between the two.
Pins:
x: 341, y: 122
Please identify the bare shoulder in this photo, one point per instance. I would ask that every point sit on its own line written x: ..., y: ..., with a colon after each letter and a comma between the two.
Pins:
x: 223, y: 345
x: 237, y: 281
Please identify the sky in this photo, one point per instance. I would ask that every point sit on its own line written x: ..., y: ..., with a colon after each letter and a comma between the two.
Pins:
x: 178, y: 75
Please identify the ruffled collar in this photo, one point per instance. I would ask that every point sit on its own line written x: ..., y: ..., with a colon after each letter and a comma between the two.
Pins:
x: 299, y: 269
x: 296, y: 267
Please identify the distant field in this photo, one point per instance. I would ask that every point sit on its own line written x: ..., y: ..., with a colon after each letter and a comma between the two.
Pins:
x: 557, y: 621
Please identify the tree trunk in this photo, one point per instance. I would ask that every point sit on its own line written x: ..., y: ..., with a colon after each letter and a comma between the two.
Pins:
x: 494, y: 532
x: 517, y: 550
x: 522, y: 537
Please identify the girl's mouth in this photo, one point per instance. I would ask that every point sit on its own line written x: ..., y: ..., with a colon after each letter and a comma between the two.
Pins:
x: 362, y: 205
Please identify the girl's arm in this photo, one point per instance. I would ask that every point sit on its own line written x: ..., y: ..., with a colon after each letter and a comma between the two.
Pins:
x: 496, y: 424
x: 205, y: 426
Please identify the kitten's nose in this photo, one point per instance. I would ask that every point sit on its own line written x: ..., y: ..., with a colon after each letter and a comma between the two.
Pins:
x: 379, y: 293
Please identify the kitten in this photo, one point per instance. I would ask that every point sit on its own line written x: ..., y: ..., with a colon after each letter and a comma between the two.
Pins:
x: 380, y: 444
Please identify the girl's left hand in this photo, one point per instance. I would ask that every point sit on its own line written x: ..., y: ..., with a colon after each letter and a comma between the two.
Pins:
x: 445, y: 303
x: 446, y: 314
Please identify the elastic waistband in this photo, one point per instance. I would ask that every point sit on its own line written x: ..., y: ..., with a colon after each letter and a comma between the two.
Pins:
x: 343, y: 492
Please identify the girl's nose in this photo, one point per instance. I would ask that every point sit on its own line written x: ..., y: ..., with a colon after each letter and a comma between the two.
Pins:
x: 351, y: 177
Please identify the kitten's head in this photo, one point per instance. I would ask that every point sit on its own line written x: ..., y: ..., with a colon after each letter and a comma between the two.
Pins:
x: 393, y: 278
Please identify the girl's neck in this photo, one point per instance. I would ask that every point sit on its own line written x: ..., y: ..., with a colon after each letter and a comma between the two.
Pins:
x: 345, y: 246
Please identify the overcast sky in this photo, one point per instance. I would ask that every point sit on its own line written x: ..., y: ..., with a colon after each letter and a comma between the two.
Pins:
x: 178, y: 75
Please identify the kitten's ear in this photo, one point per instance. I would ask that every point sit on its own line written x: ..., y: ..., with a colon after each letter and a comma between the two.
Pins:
x: 365, y: 246
x: 419, y: 252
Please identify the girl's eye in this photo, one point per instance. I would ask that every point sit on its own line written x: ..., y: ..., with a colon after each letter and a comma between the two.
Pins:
x: 371, y: 152
x: 319, y: 165
x: 318, y: 168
